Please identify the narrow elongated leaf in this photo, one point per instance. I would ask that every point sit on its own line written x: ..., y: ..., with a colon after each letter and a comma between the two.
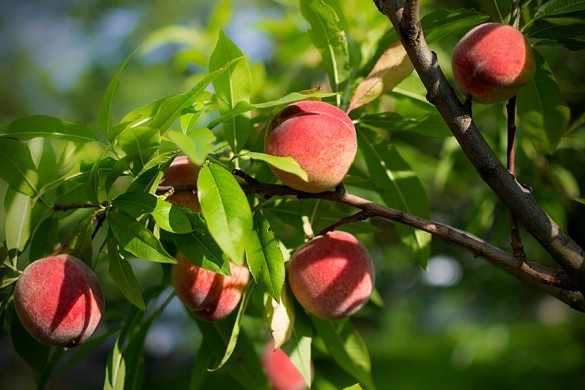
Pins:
x: 48, y: 127
x: 123, y: 275
x: 98, y: 169
x: 542, y: 113
x: 233, y: 340
x: 287, y: 164
x: 133, y: 237
x: 347, y: 348
x: 232, y: 87
x: 329, y: 38
x: 201, y: 249
x: 265, y: 258
x: 161, y: 113
x: 298, y: 347
x: 400, y: 188
x: 115, y: 369
x: 140, y: 144
x: 18, y: 168
x: 147, y: 179
x: 196, y: 144
x: 105, y: 114
x: 18, y: 227
x: 244, y: 365
x: 431, y: 124
x: 392, y: 67
x: 80, y: 244
x: 559, y: 7
x: 225, y: 209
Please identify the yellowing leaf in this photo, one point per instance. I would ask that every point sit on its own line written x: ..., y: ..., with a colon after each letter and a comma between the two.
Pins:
x: 392, y: 67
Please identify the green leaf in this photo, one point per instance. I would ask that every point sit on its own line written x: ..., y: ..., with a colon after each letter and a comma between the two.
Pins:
x: 105, y: 113
x: 133, y: 237
x: 392, y: 67
x: 287, y: 164
x: 200, y: 248
x: 244, y: 365
x: 196, y: 144
x: 233, y: 340
x: 542, y: 113
x: 559, y: 8
x: 118, y: 170
x: 140, y: 144
x: 400, y: 188
x: 170, y: 217
x: 81, y: 244
x: 230, y: 88
x: 35, y: 354
x: 265, y: 258
x: 18, y: 168
x: 431, y: 124
x: 298, y: 347
x: 147, y: 179
x: 48, y: 127
x: 18, y: 227
x: 330, y: 39
x: 346, y: 347
x: 444, y: 22
x: 123, y: 275
x: 225, y: 209
x: 161, y: 113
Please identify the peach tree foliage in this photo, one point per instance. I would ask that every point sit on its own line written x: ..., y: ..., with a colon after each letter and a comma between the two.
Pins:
x: 92, y: 190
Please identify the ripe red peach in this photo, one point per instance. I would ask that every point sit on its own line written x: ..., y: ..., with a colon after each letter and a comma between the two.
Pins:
x: 281, y: 372
x: 492, y: 62
x: 319, y: 136
x: 182, y: 172
x: 59, y: 301
x: 332, y: 275
x: 209, y: 295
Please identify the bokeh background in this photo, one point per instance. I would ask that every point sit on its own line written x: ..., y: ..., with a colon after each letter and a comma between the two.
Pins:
x: 460, y: 324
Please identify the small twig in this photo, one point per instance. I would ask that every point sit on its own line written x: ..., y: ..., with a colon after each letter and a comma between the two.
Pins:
x: 515, y: 238
x: 361, y: 216
x: 74, y: 206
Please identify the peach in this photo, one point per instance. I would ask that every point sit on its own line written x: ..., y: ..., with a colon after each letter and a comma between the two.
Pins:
x: 319, y: 136
x: 59, y: 301
x: 492, y: 62
x: 209, y: 295
x: 281, y: 372
x: 182, y: 172
x: 332, y: 275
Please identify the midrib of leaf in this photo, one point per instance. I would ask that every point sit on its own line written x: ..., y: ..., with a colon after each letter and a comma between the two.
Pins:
x: 16, y: 167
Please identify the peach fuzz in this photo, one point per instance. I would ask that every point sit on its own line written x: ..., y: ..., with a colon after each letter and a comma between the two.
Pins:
x: 209, y: 295
x: 59, y: 301
x: 332, y: 275
x: 492, y: 62
x: 319, y: 136
x: 281, y: 372
x: 182, y: 172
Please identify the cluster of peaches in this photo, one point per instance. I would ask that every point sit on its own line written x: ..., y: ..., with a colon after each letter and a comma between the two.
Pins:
x: 58, y: 298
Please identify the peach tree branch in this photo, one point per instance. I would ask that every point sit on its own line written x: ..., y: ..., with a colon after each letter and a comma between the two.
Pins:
x: 517, y: 198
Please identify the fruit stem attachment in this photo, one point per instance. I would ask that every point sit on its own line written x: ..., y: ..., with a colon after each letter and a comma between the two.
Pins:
x: 357, y: 217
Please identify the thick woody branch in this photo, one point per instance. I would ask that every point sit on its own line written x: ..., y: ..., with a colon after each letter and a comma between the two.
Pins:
x: 518, y: 199
x: 554, y: 282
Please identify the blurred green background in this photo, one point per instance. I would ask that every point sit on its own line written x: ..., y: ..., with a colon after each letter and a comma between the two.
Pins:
x: 460, y: 324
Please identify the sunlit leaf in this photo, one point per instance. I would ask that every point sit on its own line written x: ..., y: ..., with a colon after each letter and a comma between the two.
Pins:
x: 123, y: 275
x: 232, y: 87
x: 298, y: 347
x: 133, y: 237
x: 18, y: 226
x: 392, y: 67
x: 197, y: 144
x: 329, y: 38
x: 264, y: 257
x: 287, y: 164
x: 47, y: 127
x: 105, y: 113
x: 281, y: 316
x: 139, y: 144
x: 18, y: 168
x: 225, y: 209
